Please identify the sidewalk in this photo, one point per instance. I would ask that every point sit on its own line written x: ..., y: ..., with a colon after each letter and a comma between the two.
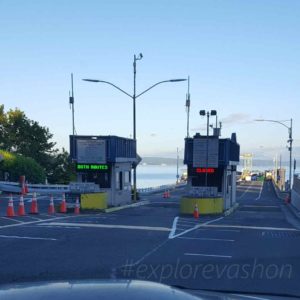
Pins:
x: 282, y: 195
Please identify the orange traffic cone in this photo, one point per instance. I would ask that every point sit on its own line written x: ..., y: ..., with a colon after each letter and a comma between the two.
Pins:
x: 21, y: 209
x: 23, y: 190
x: 10, y: 212
x: 196, y: 212
x: 26, y: 188
x: 51, y: 209
x: 63, y: 205
x: 287, y: 199
x: 77, y: 207
x: 34, y: 206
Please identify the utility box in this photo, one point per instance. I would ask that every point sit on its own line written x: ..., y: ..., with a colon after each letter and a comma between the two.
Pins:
x: 211, y: 164
x: 106, y: 161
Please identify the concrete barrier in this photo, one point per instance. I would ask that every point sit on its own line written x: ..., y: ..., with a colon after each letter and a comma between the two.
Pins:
x: 205, y: 205
x: 94, y: 201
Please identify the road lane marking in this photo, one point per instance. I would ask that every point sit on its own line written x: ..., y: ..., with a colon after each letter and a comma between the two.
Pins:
x: 11, y: 219
x: 26, y: 237
x: 249, y: 187
x: 205, y: 239
x: 189, y: 221
x: 191, y: 229
x: 251, y: 297
x: 252, y: 227
x: 40, y: 221
x: 146, y: 255
x: 172, y: 233
x: 52, y: 227
x: 209, y: 255
x: 265, y: 206
x: 58, y: 227
x: 212, y: 229
x: 112, y: 226
x: 35, y: 218
x: 258, y: 197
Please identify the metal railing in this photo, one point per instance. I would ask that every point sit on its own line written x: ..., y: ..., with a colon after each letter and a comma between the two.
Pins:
x: 161, y: 188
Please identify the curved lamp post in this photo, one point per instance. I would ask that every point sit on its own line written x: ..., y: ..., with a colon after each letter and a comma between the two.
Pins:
x: 134, y: 97
x: 290, y: 141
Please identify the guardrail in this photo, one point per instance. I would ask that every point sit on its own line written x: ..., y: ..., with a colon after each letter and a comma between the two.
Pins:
x: 73, y: 187
x: 14, y: 187
x: 161, y: 188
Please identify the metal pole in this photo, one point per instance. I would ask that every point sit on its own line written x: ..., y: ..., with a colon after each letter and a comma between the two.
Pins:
x: 290, y: 148
x: 73, y: 121
x: 177, y: 174
x: 134, y: 126
x: 188, y: 103
x: 207, y: 133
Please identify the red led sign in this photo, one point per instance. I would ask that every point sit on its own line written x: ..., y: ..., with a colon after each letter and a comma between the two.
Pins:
x: 205, y: 170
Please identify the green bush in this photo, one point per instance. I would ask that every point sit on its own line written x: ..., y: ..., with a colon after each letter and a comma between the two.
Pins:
x: 17, y: 165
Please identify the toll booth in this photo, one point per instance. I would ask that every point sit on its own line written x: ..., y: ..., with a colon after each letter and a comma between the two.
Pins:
x: 211, y: 164
x: 106, y: 161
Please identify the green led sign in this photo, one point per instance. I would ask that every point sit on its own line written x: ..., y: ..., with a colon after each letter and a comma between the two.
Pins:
x: 91, y: 167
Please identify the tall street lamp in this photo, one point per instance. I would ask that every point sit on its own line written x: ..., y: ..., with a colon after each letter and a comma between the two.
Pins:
x: 208, y: 114
x: 134, y: 97
x: 290, y: 141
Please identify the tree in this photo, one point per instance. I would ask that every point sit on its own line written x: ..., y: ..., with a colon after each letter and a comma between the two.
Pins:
x: 20, y: 135
x: 24, y: 136
x: 16, y: 165
x: 63, y: 170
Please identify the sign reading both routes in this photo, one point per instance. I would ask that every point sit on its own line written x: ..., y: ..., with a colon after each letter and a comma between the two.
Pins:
x: 92, y: 167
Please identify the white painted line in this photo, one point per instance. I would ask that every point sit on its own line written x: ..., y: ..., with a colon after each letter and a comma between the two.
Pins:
x: 210, y: 255
x: 173, y: 230
x: 112, y: 226
x: 249, y: 187
x: 205, y: 239
x: 47, y: 215
x: 212, y: 229
x: 55, y: 227
x: 158, y: 202
x: 146, y: 255
x: 253, y: 227
x: 26, y: 237
x: 258, y: 206
x: 251, y: 297
x: 195, y: 227
x: 18, y: 221
x: 189, y: 221
x: 35, y: 218
x: 40, y: 221
x: 258, y: 197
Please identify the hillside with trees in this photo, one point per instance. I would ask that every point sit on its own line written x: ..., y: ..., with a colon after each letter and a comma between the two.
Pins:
x: 29, y: 145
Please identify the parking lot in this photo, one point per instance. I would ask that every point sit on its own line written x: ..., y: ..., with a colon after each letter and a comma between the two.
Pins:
x: 154, y: 242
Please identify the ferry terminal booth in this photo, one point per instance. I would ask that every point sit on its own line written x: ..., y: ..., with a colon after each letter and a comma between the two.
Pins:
x: 106, y: 161
x: 211, y: 164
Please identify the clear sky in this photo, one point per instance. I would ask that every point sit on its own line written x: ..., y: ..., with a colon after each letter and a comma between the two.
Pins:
x: 243, y: 58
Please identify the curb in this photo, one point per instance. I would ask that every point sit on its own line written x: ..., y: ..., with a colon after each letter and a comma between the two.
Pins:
x: 231, y: 209
x: 112, y: 209
x: 293, y: 210
x: 289, y: 206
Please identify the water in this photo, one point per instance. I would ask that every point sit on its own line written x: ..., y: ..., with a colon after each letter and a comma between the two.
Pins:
x: 156, y: 175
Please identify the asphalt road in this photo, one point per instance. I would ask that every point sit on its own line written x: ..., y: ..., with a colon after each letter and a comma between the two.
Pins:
x: 255, y: 249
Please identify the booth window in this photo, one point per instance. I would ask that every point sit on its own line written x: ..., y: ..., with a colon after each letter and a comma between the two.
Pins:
x: 126, y: 177
x: 119, y: 180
